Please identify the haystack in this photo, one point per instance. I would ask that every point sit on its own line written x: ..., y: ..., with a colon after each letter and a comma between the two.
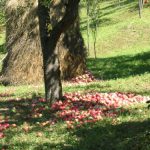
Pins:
x: 23, y: 63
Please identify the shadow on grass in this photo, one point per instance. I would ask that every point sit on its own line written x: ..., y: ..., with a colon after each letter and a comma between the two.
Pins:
x: 120, y: 4
x: 2, y: 49
x: 21, y: 110
x: 125, y: 136
x: 120, y: 67
x: 102, y: 135
x: 99, y: 22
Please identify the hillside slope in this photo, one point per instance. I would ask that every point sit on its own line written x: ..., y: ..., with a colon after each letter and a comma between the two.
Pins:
x: 123, y: 47
x: 120, y: 31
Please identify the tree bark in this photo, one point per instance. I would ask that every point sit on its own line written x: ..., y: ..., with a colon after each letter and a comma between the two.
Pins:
x: 140, y: 8
x: 49, y: 38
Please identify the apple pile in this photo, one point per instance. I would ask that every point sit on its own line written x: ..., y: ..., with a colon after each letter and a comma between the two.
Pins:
x: 78, y: 109
x: 3, y: 127
x: 6, y: 94
x: 85, y: 78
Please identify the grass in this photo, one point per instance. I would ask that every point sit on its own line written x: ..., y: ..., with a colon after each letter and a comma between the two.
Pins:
x: 129, y: 130
x: 122, y: 64
x: 122, y: 35
x: 137, y: 84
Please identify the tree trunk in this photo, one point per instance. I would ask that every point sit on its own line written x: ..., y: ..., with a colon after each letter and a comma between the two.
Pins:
x: 140, y: 8
x: 50, y: 35
x: 51, y: 65
x: 23, y: 63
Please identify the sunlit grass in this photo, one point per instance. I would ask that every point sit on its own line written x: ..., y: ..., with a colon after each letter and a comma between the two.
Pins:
x: 119, y: 34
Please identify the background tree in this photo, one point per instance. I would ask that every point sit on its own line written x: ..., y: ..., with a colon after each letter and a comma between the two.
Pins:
x: 92, y: 20
x: 23, y: 63
x: 141, y: 2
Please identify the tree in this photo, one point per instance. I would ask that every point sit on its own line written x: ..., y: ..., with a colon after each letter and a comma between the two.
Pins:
x: 140, y: 7
x: 49, y: 39
x: 23, y: 63
x: 141, y: 4
x: 57, y: 28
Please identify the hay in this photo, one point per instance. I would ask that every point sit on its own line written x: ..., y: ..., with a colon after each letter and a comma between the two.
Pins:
x: 23, y: 64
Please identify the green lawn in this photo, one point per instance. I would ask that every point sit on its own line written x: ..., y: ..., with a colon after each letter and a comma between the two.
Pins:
x: 122, y: 64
